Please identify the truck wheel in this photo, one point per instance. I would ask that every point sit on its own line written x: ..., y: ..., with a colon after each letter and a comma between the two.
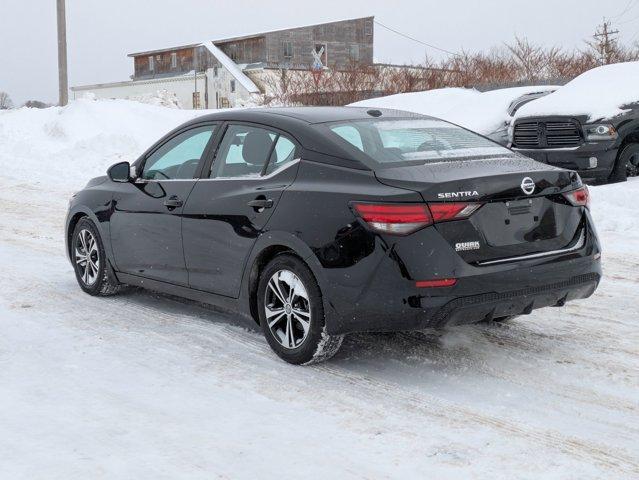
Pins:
x: 627, y: 164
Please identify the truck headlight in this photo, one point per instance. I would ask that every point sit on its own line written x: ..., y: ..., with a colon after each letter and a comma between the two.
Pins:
x: 599, y: 132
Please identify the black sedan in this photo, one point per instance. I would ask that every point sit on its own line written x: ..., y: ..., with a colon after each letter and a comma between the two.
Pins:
x: 317, y: 222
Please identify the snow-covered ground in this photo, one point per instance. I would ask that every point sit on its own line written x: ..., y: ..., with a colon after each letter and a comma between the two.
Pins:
x: 146, y: 386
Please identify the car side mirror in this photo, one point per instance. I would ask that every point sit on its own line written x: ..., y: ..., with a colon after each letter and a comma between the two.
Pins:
x: 120, y: 172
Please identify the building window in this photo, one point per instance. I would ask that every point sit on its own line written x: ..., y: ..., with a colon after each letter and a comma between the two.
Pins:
x: 232, y: 86
x: 287, y: 49
x: 215, y: 71
x: 354, y: 52
x: 368, y: 27
x: 151, y: 63
x: 174, y: 60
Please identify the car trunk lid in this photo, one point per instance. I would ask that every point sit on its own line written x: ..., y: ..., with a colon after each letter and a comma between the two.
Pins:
x: 523, y: 210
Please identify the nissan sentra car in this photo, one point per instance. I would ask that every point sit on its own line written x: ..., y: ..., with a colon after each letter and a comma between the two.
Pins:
x: 318, y: 222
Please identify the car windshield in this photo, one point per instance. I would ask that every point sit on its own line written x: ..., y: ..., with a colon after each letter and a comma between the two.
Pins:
x: 413, y: 141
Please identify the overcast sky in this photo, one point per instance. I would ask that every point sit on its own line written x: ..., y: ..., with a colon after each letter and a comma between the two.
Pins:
x: 102, y: 32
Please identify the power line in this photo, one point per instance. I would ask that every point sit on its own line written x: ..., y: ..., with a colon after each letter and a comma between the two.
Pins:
x: 631, y: 4
x: 416, y: 40
x: 629, y: 21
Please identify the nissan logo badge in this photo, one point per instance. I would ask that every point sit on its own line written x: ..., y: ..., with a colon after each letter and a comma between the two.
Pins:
x: 527, y: 186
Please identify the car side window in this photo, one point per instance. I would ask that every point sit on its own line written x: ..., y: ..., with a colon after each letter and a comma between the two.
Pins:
x: 179, y: 157
x: 283, y: 153
x: 245, y: 150
x: 350, y: 134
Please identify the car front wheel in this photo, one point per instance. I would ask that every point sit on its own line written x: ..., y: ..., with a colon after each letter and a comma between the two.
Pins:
x: 291, y: 312
x: 90, y: 262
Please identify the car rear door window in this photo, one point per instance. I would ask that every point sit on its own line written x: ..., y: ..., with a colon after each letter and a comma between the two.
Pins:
x: 283, y: 154
x: 251, y: 152
x: 179, y: 157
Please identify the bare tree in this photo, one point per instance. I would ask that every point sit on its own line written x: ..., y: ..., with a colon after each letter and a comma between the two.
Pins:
x: 5, y: 101
x: 519, y: 63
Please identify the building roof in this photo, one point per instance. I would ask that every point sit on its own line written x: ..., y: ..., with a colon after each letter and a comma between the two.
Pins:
x: 244, y: 37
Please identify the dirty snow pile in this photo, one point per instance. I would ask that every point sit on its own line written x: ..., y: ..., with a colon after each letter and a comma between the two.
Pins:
x: 484, y: 113
x: 602, y: 92
x: 144, y: 386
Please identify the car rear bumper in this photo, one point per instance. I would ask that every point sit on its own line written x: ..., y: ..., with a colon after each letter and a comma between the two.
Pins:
x: 391, y: 302
x: 578, y: 159
x: 489, y: 306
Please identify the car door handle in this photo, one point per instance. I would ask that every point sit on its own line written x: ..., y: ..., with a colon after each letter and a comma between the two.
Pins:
x: 173, y: 202
x: 261, y: 203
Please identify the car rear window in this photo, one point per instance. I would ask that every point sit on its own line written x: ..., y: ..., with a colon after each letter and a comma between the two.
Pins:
x: 413, y: 141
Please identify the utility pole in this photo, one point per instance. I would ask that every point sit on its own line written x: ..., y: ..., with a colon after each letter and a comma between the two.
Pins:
x: 63, y: 81
x: 605, y: 42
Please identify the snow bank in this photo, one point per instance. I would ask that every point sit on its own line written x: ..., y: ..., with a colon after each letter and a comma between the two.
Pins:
x: 599, y: 93
x: 67, y: 146
x: 481, y: 112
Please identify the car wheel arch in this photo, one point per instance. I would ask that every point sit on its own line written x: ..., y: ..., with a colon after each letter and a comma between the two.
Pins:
x: 268, y: 247
x: 74, y: 217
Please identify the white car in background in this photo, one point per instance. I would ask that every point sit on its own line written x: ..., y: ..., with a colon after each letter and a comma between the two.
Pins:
x: 488, y: 113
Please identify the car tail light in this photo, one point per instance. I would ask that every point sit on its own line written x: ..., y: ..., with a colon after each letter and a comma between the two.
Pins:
x: 444, y: 282
x: 579, y: 197
x: 443, y: 212
x: 398, y: 218
x: 405, y: 218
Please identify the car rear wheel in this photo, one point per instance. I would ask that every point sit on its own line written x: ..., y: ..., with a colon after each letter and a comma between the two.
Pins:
x: 627, y: 164
x: 291, y: 312
x: 89, y: 261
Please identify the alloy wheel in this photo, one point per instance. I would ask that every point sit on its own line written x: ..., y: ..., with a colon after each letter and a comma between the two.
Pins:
x: 287, y: 309
x: 87, y: 257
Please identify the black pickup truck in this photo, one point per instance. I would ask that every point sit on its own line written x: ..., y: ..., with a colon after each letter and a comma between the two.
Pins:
x: 602, y: 149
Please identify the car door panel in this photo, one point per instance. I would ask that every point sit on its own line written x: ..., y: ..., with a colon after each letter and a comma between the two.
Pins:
x: 145, y: 234
x: 220, y: 228
x: 226, y: 214
x: 146, y: 217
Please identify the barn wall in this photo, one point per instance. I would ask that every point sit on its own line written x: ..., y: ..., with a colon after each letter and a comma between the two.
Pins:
x: 162, y: 63
x: 338, y: 37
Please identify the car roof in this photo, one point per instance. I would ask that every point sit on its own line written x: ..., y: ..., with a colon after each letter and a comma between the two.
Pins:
x: 309, y: 115
x: 303, y: 123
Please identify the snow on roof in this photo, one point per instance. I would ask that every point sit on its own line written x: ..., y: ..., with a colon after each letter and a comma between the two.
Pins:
x: 487, y: 112
x: 602, y: 92
x: 232, y: 67
x: 481, y: 112
x: 435, y: 102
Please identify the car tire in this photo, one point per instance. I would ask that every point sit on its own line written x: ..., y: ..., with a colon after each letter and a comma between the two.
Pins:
x: 291, y: 312
x: 627, y: 164
x: 92, y: 270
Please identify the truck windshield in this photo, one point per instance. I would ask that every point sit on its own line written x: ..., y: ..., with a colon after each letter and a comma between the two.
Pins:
x: 414, y: 141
